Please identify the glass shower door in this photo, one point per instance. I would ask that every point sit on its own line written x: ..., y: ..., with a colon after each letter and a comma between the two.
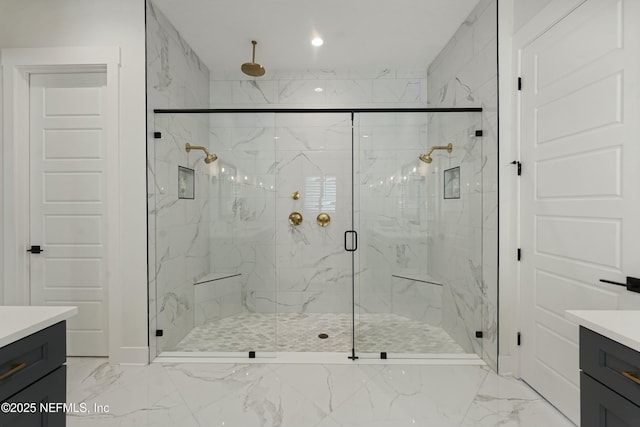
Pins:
x: 419, y: 287
x: 257, y: 251
x: 213, y: 229
x: 314, y: 208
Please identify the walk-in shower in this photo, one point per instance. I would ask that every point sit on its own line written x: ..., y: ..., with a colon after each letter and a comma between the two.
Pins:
x: 318, y: 231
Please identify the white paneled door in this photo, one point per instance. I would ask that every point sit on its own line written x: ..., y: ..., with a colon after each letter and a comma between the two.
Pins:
x: 580, y: 211
x: 67, y: 149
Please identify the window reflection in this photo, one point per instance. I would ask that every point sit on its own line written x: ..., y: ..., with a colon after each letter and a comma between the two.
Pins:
x: 320, y: 193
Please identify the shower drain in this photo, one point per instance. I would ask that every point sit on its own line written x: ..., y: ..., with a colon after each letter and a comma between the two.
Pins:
x: 323, y: 336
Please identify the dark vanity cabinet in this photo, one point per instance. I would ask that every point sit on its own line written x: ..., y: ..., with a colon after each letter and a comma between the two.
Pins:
x: 33, y: 375
x: 609, y: 382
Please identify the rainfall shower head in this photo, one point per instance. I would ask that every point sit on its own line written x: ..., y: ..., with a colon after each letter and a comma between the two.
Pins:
x: 210, y: 157
x: 252, y: 68
x: 426, y: 157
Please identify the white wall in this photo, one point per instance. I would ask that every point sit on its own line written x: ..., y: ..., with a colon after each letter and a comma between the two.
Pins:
x: 121, y: 23
x: 507, y: 206
x: 524, y: 10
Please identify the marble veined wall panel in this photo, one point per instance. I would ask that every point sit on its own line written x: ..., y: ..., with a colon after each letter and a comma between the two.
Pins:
x: 463, y: 233
x: 178, y: 228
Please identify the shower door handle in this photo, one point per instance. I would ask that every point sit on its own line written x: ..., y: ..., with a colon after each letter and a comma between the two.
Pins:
x: 354, y: 240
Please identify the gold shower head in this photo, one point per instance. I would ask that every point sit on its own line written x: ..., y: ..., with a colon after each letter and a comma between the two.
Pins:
x: 252, y: 68
x: 426, y: 157
x: 210, y: 157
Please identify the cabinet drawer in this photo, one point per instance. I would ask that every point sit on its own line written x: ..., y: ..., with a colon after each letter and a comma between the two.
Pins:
x: 607, y: 361
x: 602, y: 407
x: 50, y: 389
x: 27, y: 360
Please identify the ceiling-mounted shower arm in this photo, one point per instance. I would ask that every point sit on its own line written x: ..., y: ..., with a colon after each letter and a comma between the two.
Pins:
x: 253, y: 56
x: 252, y: 68
x: 210, y: 157
x: 426, y: 157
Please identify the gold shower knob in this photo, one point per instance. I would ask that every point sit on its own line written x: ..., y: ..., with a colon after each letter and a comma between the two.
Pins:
x: 323, y: 219
x: 295, y: 218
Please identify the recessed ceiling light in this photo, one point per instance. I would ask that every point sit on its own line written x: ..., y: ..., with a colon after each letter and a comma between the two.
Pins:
x: 317, y: 41
x: 318, y: 89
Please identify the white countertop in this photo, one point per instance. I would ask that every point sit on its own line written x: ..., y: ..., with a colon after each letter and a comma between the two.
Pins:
x: 17, y: 322
x: 622, y: 326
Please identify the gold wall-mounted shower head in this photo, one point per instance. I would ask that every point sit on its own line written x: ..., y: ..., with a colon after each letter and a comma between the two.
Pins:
x: 210, y: 158
x: 426, y: 157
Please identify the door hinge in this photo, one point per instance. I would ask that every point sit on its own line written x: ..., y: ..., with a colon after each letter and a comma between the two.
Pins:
x: 479, y: 334
x: 479, y: 133
x: 519, y: 254
x: 519, y: 83
x: 519, y: 339
x: 519, y: 166
x: 159, y: 332
x: 157, y: 135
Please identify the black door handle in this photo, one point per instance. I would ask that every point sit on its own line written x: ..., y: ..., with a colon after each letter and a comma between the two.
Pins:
x: 633, y: 283
x: 354, y: 240
x: 612, y: 282
x: 35, y: 249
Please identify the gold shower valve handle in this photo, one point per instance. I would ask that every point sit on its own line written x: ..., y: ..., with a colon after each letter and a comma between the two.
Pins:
x: 295, y: 218
x: 323, y: 219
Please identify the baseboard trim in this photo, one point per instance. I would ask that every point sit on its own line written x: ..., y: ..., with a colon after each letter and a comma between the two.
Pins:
x: 138, y: 356
x: 505, y: 365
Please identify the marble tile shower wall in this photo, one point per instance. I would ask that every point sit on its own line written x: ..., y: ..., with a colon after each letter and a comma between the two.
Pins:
x: 253, y: 184
x: 242, y: 192
x: 465, y: 74
x: 454, y: 229
x: 313, y: 273
x: 392, y: 213
x: 176, y: 78
x: 323, y: 88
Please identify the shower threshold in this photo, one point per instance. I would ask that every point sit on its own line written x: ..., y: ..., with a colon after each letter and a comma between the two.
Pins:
x: 330, y: 358
x: 296, y: 338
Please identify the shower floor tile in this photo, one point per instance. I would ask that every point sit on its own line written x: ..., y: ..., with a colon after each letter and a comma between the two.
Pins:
x: 299, y: 332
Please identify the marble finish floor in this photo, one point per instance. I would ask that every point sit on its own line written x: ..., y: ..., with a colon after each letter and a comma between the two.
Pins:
x: 302, y: 395
x: 298, y: 332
